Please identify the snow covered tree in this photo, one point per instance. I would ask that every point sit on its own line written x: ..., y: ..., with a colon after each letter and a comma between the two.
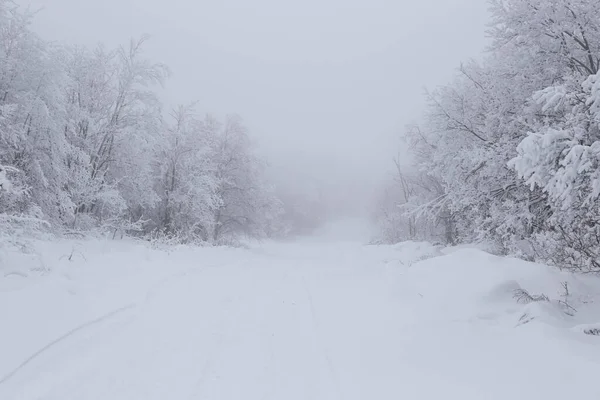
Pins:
x: 31, y: 108
x: 113, y: 123
x: 412, y: 204
x: 526, y: 111
x: 559, y: 155
x: 186, y: 183
x: 248, y: 205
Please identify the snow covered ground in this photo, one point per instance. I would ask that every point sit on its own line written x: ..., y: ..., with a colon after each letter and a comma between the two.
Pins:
x: 316, y: 318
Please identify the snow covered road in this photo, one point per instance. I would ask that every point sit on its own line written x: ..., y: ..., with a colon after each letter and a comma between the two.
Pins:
x: 305, y: 320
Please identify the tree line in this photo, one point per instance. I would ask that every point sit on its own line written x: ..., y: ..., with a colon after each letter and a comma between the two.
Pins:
x: 85, y: 144
x: 508, y: 153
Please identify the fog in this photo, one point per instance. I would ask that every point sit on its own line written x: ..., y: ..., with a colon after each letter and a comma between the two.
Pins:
x: 325, y: 86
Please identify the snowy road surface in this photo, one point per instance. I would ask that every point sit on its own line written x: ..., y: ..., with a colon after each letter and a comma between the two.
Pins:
x: 303, y: 320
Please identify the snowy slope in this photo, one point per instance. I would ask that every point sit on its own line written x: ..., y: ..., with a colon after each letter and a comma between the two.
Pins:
x: 310, y: 319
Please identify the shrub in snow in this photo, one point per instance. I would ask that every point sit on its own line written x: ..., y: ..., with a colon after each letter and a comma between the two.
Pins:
x: 523, y: 296
x: 16, y: 228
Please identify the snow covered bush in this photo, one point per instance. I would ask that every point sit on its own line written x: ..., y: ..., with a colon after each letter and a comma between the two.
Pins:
x: 16, y: 226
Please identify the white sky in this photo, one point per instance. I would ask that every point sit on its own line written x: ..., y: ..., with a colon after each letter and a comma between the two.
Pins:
x: 325, y: 86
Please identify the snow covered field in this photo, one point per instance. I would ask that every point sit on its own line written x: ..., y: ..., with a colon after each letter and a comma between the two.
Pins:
x: 311, y: 319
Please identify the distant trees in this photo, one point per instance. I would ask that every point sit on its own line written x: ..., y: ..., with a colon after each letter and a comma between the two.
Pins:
x: 513, y: 140
x: 83, y: 137
x: 247, y: 203
x: 211, y: 184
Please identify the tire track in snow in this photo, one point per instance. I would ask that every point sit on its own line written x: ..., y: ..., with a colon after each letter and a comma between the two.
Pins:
x: 151, y: 292
x: 207, y: 367
x: 63, y: 338
x: 324, y: 351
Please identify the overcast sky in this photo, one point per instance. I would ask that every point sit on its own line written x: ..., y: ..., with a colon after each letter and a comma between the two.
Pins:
x: 324, y: 85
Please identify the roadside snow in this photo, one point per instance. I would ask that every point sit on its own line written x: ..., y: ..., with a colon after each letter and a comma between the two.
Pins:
x: 310, y: 319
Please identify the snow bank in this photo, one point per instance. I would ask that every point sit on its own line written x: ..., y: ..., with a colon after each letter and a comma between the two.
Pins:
x: 469, y: 284
x: 411, y: 252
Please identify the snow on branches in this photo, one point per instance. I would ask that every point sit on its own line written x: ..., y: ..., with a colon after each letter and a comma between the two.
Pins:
x: 88, y: 147
x: 515, y: 139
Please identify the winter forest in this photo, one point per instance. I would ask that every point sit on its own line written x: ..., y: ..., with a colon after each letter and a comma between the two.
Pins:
x: 87, y: 145
x: 322, y: 199
x: 507, y: 153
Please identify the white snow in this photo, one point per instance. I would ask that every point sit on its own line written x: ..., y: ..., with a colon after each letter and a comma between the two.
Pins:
x: 309, y: 319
